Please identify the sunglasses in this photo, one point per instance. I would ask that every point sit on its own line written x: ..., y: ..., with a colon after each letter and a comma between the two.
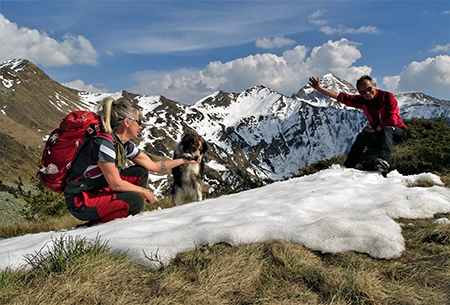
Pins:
x: 367, y: 90
x: 139, y: 121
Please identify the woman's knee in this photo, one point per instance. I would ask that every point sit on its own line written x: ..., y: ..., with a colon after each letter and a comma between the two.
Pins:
x: 137, y: 205
x: 136, y: 174
x: 134, y: 200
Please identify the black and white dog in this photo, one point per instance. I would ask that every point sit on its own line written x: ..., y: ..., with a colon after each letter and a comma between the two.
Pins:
x: 187, y: 185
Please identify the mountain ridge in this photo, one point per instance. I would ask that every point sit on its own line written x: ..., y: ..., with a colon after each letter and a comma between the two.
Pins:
x: 256, y: 136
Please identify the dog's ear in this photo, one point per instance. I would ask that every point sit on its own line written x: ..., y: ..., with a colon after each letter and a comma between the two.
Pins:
x: 204, y: 147
x: 186, y: 142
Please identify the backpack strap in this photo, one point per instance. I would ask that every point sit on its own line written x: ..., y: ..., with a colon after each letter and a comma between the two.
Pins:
x: 95, y: 171
x: 105, y: 136
x: 93, y: 132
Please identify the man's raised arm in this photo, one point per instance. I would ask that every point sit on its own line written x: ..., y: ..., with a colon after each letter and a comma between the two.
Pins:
x: 315, y: 83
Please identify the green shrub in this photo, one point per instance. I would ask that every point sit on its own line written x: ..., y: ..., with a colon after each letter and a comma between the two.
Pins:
x: 42, y: 204
x: 426, y: 149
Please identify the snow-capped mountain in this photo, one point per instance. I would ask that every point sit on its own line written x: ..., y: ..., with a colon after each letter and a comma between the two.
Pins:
x: 260, y: 135
x: 255, y: 137
x: 309, y: 95
x: 411, y: 105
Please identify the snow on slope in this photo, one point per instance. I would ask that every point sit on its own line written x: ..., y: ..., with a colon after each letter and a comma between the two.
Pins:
x: 333, y: 211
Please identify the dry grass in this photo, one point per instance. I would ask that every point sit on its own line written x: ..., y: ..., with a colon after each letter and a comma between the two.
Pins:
x: 65, y: 221
x: 263, y: 273
x: 52, y: 224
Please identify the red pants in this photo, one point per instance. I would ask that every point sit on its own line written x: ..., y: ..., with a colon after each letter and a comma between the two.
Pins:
x: 106, y: 205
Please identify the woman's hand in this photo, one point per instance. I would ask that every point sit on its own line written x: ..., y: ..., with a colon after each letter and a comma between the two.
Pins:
x: 199, y: 159
x: 149, y: 196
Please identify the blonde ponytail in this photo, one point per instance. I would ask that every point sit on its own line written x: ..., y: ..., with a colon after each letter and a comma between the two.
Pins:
x: 106, y: 115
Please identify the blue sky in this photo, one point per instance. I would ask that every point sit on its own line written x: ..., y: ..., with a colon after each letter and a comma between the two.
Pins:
x: 186, y: 50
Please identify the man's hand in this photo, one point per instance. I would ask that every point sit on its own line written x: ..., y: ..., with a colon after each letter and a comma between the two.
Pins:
x: 314, y: 82
x: 368, y: 129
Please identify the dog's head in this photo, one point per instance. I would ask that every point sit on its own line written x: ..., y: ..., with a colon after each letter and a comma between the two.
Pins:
x: 193, y: 146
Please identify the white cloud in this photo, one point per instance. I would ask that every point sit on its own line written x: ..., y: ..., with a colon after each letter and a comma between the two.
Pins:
x: 338, y: 29
x: 285, y: 73
x: 314, y: 18
x: 430, y: 74
x: 81, y: 86
x: 39, y: 48
x: 440, y: 48
x: 338, y: 57
x: 391, y: 82
x: 342, y: 29
x: 276, y: 42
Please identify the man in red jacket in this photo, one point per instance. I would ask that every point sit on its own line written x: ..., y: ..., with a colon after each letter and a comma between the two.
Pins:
x: 381, y: 109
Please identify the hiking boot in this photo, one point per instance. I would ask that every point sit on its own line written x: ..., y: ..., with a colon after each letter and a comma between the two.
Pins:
x: 359, y: 166
x: 382, y: 166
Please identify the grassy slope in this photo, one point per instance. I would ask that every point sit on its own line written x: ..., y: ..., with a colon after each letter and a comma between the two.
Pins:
x: 31, y: 104
x: 263, y: 273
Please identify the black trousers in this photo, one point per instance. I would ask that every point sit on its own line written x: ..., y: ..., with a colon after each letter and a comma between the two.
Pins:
x: 138, y: 176
x: 383, y: 140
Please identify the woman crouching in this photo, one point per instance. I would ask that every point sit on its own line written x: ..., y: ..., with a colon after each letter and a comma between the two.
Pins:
x: 98, y: 189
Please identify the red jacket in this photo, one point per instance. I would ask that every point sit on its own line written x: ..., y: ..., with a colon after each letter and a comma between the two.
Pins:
x: 381, y: 111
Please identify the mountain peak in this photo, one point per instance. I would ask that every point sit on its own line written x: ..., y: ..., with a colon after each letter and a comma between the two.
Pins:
x: 333, y: 82
x: 421, y: 97
x: 16, y: 64
x: 328, y: 81
x: 217, y: 99
x: 257, y: 88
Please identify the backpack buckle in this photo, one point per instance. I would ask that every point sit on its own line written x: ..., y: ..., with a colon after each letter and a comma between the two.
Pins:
x: 54, y: 137
x: 93, y: 128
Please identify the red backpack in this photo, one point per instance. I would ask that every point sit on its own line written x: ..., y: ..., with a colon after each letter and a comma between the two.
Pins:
x: 63, y: 145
